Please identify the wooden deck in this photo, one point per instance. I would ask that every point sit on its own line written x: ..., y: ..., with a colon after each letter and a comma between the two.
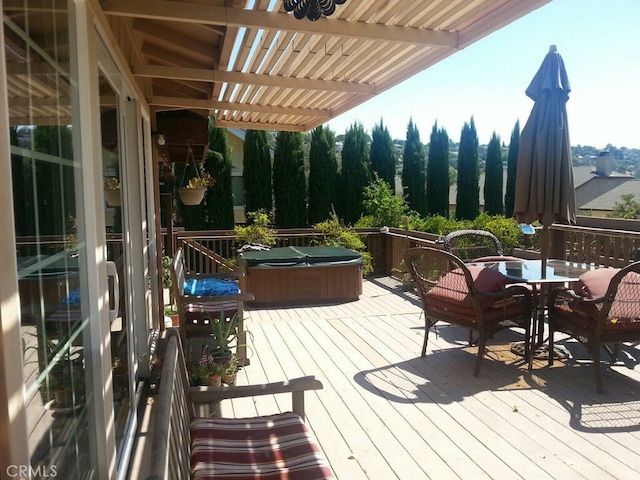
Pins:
x: 387, y: 413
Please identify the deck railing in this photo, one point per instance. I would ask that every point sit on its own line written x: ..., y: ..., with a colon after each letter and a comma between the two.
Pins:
x: 604, y: 242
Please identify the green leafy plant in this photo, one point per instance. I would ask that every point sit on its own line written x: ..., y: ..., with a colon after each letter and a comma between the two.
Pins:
x: 335, y: 235
x: 111, y: 183
x: 383, y: 206
x: 202, y: 181
x: 225, y: 332
x: 257, y: 231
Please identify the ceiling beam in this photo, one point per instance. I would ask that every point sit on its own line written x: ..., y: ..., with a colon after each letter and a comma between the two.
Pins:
x: 205, y: 75
x: 261, y: 126
x: 234, y: 106
x: 237, y: 17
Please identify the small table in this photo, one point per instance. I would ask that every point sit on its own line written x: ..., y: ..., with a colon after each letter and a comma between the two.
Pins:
x: 531, y: 272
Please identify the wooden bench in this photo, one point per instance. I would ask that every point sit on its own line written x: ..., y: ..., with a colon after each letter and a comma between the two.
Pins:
x: 195, y: 310
x: 187, y: 446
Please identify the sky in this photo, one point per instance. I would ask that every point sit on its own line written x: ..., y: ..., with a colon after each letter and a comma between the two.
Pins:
x: 599, y: 41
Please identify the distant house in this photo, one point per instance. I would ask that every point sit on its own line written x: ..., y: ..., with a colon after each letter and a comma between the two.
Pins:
x: 597, y: 189
x: 235, y: 139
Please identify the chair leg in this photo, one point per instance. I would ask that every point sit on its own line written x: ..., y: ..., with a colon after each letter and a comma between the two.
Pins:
x: 426, y: 339
x: 598, y: 369
x: 481, y: 348
x: 550, y: 346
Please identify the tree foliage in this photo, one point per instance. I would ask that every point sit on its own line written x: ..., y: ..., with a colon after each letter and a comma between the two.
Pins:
x: 219, y: 197
x: 382, y: 207
x: 323, y: 174
x: 289, y: 187
x: 468, y: 192
x: 512, y: 168
x: 257, y: 172
x: 414, y: 171
x: 437, y: 185
x: 493, y: 187
x: 383, y: 161
x: 355, y: 173
x: 628, y: 208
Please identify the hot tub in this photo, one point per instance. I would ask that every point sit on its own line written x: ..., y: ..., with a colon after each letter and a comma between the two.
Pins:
x: 302, y: 275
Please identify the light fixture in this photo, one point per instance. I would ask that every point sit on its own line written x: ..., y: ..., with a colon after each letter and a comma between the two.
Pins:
x: 160, y: 140
x: 312, y: 9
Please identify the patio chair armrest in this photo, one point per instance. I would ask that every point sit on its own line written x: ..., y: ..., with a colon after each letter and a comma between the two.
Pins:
x: 235, y: 297
x: 235, y: 274
x: 296, y: 387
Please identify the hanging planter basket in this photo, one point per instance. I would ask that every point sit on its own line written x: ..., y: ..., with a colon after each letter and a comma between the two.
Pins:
x: 112, y: 197
x: 191, y: 196
x: 193, y: 192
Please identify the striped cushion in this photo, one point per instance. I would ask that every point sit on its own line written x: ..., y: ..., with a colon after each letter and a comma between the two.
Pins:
x: 271, y: 447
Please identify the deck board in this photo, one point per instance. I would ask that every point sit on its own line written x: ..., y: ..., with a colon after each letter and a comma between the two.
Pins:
x: 387, y: 413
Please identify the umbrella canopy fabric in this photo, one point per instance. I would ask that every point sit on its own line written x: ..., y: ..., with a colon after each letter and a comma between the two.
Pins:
x: 544, y: 178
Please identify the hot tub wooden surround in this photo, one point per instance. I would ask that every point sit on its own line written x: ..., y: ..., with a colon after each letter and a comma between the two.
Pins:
x: 302, y: 275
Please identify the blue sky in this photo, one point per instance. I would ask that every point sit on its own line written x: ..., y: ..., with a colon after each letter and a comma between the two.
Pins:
x: 599, y: 41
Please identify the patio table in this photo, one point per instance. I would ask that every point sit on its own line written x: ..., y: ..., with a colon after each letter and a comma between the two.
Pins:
x: 532, y: 273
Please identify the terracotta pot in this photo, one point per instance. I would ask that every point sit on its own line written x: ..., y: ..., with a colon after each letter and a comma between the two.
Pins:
x: 214, y: 381
x: 191, y: 196
x: 113, y: 197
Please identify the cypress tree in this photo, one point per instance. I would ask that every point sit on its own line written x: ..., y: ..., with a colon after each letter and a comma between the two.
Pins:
x: 289, y: 189
x: 493, y: 187
x: 256, y: 175
x: 512, y: 168
x: 438, y: 173
x: 468, y: 192
x: 323, y: 174
x: 414, y: 171
x: 383, y: 160
x: 219, y: 198
x: 355, y: 174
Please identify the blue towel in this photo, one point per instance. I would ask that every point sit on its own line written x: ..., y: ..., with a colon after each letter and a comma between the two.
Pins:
x: 210, y: 287
x: 73, y: 298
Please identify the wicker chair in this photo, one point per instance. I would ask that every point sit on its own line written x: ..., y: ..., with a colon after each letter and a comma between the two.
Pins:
x: 476, y: 298
x: 600, y: 317
x: 474, y: 245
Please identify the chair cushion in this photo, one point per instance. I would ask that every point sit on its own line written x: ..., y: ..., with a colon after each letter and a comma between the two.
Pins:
x: 270, y: 447
x: 209, y: 287
x: 451, y: 291
x: 594, y: 283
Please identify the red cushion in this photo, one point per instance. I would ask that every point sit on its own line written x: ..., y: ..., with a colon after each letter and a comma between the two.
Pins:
x: 594, y: 283
x: 487, y: 279
x: 452, y: 289
x: 271, y: 447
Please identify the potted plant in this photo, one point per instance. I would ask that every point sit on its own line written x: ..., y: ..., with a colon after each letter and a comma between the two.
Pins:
x: 112, y: 191
x: 225, y: 332
x: 230, y: 372
x: 193, y: 192
x: 66, y: 384
x: 207, y: 372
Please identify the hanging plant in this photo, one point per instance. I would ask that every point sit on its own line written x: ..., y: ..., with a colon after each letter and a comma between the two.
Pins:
x: 112, y: 191
x: 193, y: 191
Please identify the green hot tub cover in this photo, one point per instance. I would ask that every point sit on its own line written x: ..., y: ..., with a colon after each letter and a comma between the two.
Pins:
x: 300, y: 257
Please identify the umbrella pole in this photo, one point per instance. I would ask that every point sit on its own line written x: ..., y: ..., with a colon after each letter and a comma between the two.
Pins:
x: 544, y: 249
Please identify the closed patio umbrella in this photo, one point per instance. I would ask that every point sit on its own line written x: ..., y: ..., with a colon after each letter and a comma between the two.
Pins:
x: 544, y: 180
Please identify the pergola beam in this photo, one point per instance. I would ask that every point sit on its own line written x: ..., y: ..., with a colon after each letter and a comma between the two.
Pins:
x: 236, y: 17
x: 160, y: 101
x: 205, y: 75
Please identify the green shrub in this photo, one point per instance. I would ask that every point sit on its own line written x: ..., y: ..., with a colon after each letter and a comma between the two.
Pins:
x: 258, y: 230
x: 335, y: 235
x: 383, y: 206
